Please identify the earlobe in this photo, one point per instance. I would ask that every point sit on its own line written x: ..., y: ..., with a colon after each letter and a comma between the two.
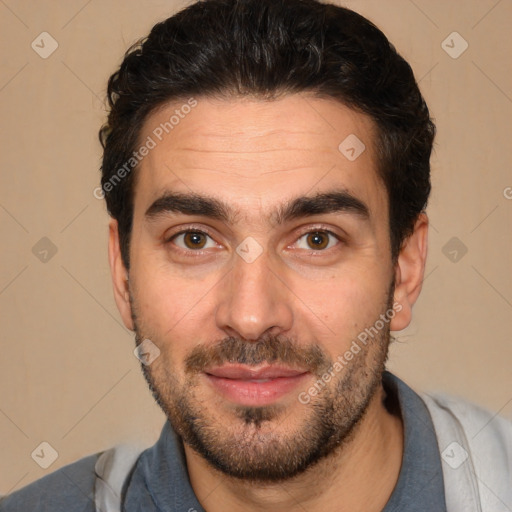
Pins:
x: 119, y: 275
x: 409, y: 272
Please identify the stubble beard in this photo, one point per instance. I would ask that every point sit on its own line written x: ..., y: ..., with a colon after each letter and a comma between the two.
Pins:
x: 245, y: 445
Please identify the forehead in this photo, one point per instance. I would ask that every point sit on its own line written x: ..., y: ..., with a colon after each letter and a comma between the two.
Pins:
x: 255, y: 152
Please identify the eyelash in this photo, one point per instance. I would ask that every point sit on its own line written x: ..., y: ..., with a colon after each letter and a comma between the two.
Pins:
x: 193, y: 253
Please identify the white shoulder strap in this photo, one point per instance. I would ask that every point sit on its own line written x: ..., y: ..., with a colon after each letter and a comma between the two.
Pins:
x: 476, y: 453
x: 112, y: 468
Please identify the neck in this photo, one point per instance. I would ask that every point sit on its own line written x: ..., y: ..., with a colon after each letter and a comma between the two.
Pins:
x: 359, y: 476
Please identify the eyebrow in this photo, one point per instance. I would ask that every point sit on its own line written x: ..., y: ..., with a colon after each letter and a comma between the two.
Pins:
x: 337, y: 201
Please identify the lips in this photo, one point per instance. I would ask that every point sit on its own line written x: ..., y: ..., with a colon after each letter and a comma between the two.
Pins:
x: 252, y: 386
x: 240, y: 372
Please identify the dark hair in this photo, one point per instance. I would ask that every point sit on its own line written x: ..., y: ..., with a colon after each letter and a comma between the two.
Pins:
x: 266, y: 49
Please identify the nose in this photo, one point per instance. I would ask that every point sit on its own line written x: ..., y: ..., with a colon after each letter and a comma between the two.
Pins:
x: 255, y: 300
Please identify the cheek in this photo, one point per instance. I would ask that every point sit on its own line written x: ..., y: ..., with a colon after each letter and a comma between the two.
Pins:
x: 351, y: 302
x: 169, y: 301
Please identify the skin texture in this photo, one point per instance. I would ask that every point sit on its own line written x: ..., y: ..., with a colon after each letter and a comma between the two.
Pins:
x: 301, y: 301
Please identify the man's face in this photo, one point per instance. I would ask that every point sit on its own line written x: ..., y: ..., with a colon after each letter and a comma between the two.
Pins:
x: 266, y: 284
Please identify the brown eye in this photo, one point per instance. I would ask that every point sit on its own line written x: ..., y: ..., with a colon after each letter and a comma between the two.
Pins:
x: 192, y: 240
x: 318, y: 240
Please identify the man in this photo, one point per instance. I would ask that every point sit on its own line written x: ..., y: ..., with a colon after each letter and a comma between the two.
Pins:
x: 266, y: 167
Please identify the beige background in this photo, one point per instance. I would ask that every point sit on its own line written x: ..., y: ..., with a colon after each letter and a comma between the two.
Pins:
x: 68, y: 375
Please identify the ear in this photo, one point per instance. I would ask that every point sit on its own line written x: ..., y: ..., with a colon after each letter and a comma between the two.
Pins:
x: 119, y: 275
x: 409, y: 272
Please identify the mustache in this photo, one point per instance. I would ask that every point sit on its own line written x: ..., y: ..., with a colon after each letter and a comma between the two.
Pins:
x: 270, y: 349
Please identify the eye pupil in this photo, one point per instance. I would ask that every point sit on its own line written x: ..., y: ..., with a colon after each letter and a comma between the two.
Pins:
x: 318, y: 239
x: 196, y: 239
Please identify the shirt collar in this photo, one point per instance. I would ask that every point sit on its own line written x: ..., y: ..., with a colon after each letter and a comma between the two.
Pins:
x: 420, y: 485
